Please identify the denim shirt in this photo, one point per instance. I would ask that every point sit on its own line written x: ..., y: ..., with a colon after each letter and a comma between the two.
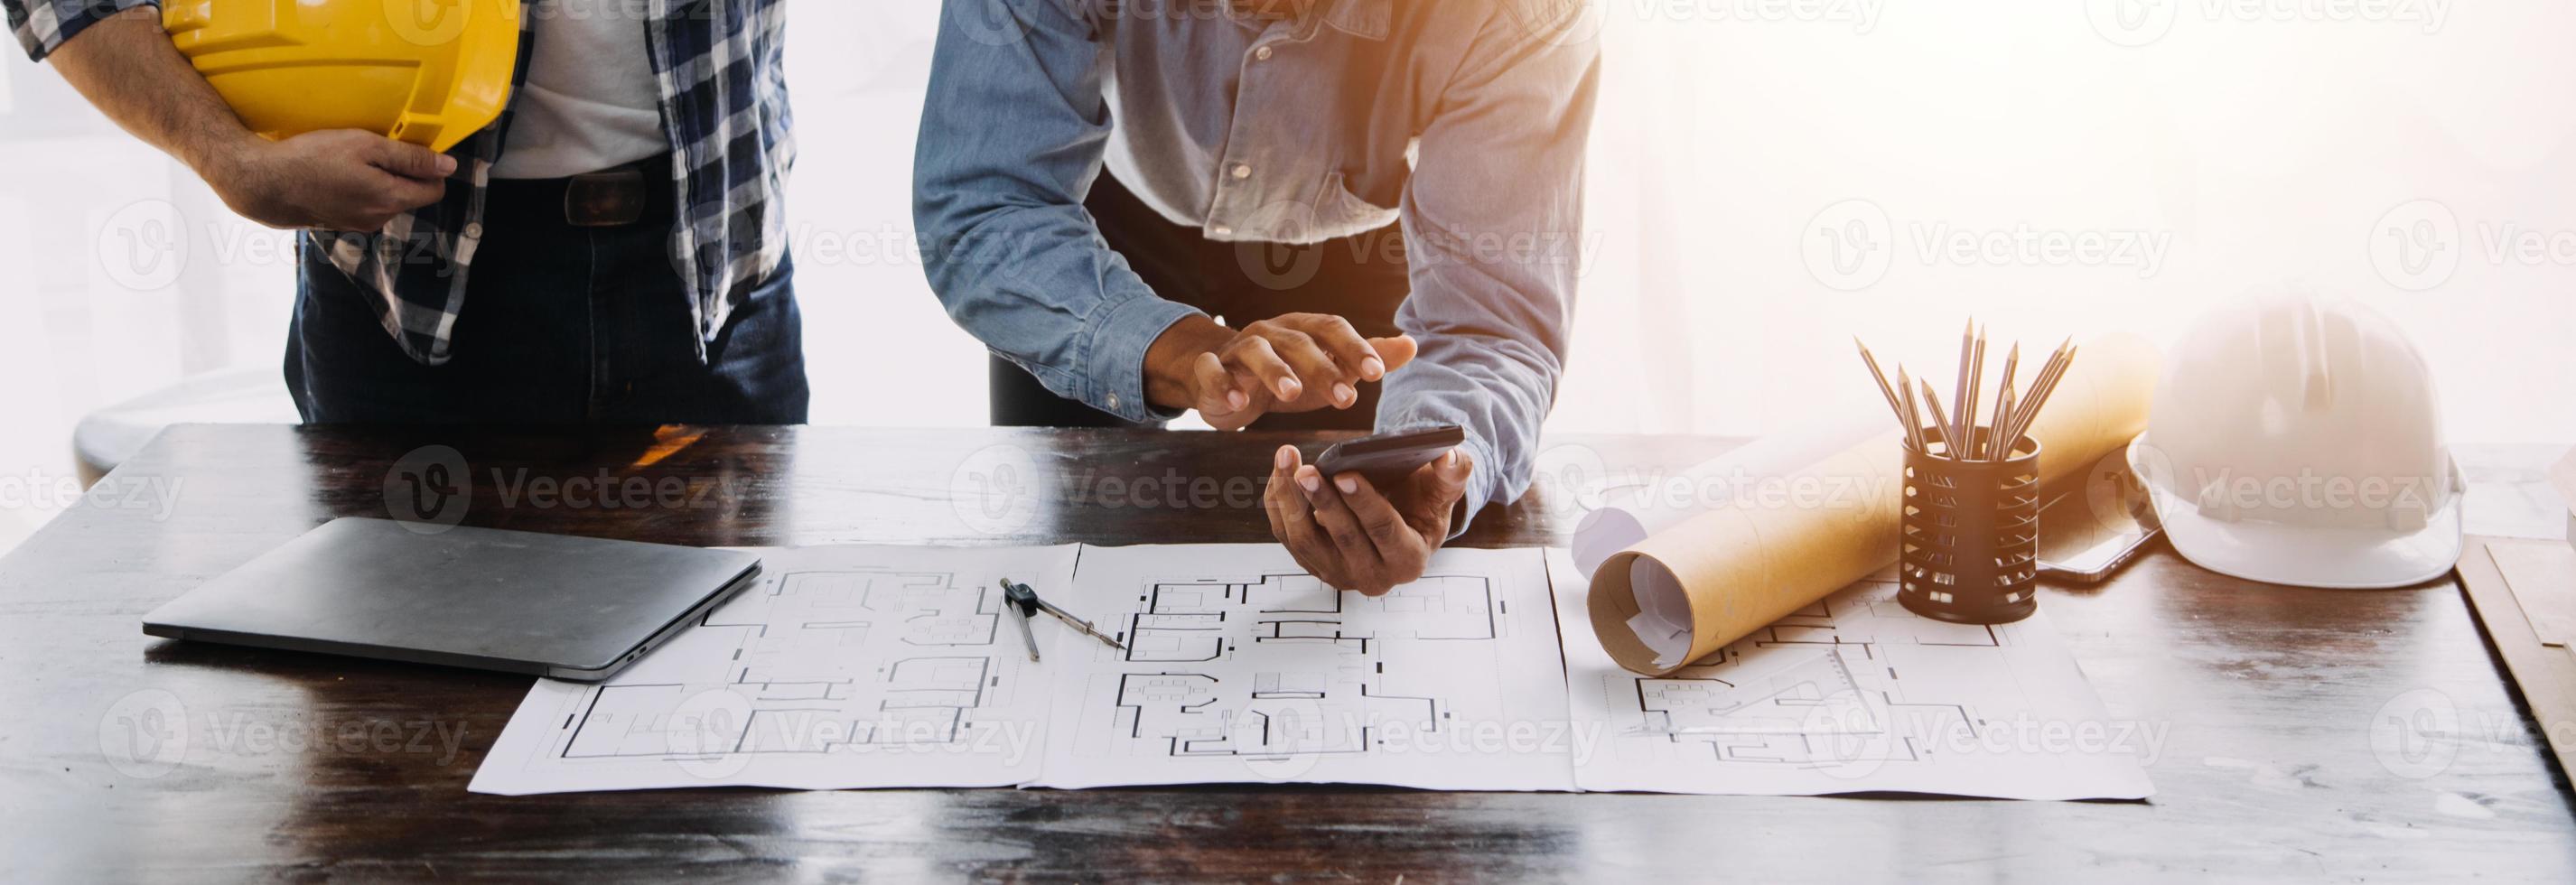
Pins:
x: 1466, y: 120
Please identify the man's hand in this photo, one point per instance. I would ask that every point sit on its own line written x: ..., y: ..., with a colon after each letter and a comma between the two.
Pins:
x: 1346, y: 533
x: 1298, y: 362
x: 344, y: 180
x: 340, y: 179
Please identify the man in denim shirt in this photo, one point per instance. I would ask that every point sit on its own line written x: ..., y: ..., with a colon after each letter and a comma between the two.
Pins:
x: 1312, y: 210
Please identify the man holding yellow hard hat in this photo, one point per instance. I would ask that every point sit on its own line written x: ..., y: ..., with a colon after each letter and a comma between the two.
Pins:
x: 550, y: 211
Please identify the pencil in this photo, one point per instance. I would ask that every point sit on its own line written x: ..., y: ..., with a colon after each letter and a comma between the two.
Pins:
x: 2041, y: 398
x: 2041, y: 388
x: 2022, y: 405
x: 1881, y: 377
x: 1976, y: 391
x: 1913, y: 421
x: 2004, y: 406
x: 1949, y: 444
x: 1962, y: 444
x: 2000, y: 448
x: 2054, y: 357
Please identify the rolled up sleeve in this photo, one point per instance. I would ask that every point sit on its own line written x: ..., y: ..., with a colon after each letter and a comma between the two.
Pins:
x: 43, y: 26
x: 1011, y: 140
x: 1493, y: 222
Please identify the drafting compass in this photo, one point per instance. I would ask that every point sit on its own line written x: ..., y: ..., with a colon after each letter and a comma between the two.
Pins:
x: 1025, y: 601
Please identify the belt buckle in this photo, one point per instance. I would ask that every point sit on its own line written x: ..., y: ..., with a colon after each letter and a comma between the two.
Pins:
x: 612, y: 198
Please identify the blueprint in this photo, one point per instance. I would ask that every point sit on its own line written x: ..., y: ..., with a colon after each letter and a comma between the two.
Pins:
x: 1854, y: 694
x: 843, y: 667
x: 1241, y: 667
x: 852, y: 667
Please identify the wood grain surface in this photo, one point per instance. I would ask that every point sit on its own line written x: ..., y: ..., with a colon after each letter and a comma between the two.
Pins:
x: 2303, y: 733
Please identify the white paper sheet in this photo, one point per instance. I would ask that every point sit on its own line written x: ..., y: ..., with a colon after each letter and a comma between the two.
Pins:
x: 851, y: 667
x: 1854, y: 694
x: 844, y: 667
x: 1242, y: 668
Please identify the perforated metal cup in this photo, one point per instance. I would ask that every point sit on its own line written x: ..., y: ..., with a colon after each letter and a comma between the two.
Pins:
x: 1970, y: 548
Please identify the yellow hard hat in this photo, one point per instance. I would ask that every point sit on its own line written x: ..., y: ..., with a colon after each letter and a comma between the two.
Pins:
x: 429, y: 72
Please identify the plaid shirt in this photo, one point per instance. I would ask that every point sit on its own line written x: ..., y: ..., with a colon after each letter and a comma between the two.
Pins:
x: 724, y: 96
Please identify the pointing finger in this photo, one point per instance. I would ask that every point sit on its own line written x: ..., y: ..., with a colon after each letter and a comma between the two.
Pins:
x: 1257, y: 356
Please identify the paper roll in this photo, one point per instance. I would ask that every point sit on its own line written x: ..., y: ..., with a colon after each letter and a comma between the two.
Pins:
x: 1785, y: 536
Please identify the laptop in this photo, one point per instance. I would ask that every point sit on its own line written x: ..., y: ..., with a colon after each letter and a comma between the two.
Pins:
x: 546, y: 605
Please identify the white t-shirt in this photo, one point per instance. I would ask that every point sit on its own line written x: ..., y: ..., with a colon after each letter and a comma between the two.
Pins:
x: 590, y: 102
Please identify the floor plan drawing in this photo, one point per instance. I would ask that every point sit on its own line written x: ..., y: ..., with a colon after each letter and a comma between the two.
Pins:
x: 1853, y: 693
x: 842, y: 667
x: 1239, y: 667
x: 853, y: 667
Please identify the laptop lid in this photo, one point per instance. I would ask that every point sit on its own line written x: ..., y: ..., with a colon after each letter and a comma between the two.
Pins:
x: 518, y: 602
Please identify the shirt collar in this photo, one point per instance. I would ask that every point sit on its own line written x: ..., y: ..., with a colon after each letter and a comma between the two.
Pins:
x: 1366, y: 19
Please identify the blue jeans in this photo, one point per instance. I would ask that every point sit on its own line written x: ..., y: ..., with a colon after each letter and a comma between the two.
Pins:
x: 560, y: 325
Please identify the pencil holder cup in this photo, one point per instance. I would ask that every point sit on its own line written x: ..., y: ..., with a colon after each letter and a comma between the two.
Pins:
x: 1970, y: 544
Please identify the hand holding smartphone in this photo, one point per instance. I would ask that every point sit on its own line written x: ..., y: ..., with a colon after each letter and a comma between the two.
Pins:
x: 1388, y: 458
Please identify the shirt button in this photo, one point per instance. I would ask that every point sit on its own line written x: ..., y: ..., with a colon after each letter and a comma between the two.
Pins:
x: 1222, y: 231
x: 1242, y: 171
x: 1261, y: 54
x: 473, y: 231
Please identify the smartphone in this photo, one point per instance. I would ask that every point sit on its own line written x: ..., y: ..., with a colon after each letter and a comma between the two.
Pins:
x: 2088, y: 535
x: 1387, y: 459
x: 2095, y: 564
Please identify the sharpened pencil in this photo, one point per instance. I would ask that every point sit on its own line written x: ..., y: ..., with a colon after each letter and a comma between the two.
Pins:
x: 1960, y: 435
x: 1976, y: 391
x: 1949, y: 444
x: 1893, y: 404
x: 2028, y: 410
x: 2000, y: 447
x: 2004, y: 445
x: 1905, y: 412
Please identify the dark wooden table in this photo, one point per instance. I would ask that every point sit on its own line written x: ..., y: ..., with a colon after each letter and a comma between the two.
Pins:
x: 2351, y: 735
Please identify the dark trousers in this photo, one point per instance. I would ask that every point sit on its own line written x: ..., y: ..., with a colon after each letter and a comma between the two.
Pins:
x: 561, y: 325
x: 1360, y: 278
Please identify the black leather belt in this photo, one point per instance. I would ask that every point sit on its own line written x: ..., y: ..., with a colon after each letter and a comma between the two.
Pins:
x: 640, y: 192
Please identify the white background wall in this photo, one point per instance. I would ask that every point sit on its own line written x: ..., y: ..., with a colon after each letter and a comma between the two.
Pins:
x: 2399, y: 152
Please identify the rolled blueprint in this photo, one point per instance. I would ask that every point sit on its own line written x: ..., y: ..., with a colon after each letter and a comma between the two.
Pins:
x: 1681, y: 568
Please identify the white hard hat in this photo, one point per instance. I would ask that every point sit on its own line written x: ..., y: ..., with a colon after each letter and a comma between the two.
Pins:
x: 2297, y: 439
